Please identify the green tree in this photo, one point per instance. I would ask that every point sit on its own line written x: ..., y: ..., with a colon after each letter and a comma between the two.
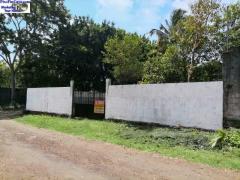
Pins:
x: 74, y: 52
x: 208, y: 71
x: 168, y: 67
x: 230, y: 30
x: 196, y: 34
x: 20, y: 34
x: 126, y: 55
x: 4, y: 75
x: 194, y: 53
x: 164, y: 32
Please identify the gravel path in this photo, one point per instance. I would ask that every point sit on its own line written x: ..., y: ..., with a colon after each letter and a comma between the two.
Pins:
x: 31, y: 153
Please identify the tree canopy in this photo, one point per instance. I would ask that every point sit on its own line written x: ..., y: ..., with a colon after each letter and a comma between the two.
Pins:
x: 200, y: 38
x: 21, y: 34
x: 50, y: 47
x: 127, y: 55
x: 74, y: 53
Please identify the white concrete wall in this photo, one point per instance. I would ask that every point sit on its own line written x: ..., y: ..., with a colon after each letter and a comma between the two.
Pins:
x: 50, y: 100
x: 197, y: 105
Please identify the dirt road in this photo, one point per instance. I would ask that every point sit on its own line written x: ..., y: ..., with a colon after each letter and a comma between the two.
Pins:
x: 31, y: 153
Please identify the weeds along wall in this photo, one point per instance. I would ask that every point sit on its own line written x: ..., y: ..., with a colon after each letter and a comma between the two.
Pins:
x: 197, y: 105
x: 50, y: 100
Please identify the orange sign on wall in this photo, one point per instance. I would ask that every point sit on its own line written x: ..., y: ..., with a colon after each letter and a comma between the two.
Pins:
x: 99, y: 106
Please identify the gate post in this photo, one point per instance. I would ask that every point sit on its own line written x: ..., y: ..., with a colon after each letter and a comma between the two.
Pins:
x: 108, y: 83
x: 72, y: 94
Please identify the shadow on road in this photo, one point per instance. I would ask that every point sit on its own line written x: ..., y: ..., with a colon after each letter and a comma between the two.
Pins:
x: 10, y: 114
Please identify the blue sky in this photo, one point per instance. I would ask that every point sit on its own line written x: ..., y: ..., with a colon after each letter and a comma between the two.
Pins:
x: 132, y: 15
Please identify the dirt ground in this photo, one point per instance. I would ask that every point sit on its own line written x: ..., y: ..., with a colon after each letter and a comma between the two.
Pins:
x: 31, y: 153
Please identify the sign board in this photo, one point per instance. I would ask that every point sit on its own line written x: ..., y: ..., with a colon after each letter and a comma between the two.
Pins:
x: 14, y: 6
x: 99, y: 106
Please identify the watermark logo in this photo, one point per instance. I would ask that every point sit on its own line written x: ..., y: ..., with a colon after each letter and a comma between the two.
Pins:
x: 14, y: 6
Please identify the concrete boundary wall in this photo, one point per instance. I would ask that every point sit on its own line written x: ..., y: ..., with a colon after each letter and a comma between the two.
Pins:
x: 197, y: 105
x: 231, y: 78
x: 50, y: 100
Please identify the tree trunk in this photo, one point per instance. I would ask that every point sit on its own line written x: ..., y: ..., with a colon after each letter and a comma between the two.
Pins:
x: 189, y: 72
x: 13, y: 87
x: 190, y: 66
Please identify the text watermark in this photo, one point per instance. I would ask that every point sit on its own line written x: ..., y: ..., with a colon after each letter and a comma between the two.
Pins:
x: 14, y: 6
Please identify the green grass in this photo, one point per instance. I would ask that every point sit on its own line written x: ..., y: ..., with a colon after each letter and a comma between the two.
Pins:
x: 189, y: 144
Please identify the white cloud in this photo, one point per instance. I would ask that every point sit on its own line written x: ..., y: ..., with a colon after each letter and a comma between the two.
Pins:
x: 121, y: 5
x: 140, y: 15
x: 114, y: 10
x: 182, y: 4
x: 134, y: 15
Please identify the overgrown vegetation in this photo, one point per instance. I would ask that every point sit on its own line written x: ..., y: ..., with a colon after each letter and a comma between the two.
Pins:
x: 190, y: 144
x: 226, y: 139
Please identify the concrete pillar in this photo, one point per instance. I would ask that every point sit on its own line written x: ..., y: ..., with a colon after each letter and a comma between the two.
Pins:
x: 72, y: 95
x: 108, y: 83
x: 231, y: 83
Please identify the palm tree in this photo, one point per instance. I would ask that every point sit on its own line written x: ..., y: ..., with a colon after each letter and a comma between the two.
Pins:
x: 164, y: 32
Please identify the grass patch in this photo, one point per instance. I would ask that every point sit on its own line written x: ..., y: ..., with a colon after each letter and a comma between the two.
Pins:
x: 190, y: 144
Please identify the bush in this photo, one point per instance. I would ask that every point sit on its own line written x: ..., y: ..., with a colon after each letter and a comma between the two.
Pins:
x: 225, y: 139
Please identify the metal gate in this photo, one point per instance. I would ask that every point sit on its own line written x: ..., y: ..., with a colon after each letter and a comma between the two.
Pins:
x: 87, y: 97
x: 85, y: 103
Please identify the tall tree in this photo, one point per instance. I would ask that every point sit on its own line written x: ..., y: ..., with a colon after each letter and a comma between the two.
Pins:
x: 196, y: 34
x: 21, y: 33
x: 230, y: 27
x: 194, y: 43
x: 126, y: 54
x: 167, y: 67
x: 74, y: 52
x: 164, y: 32
x: 80, y: 47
